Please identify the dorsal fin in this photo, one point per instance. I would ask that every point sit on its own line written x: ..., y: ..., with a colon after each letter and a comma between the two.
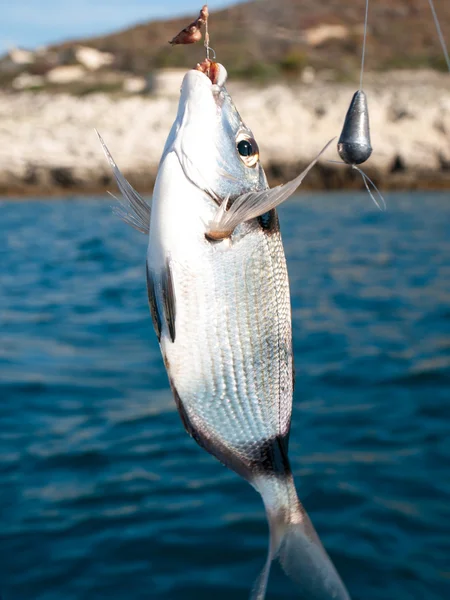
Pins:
x: 134, y: 210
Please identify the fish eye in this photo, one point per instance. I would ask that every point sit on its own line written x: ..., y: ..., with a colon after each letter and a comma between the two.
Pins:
x: 245, y: 148
x: 248, y: 151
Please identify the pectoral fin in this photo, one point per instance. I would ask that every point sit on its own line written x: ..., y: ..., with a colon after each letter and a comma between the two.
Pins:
x: 134, y: 210
x: 168, y: 298
x: 153, y: 305
x: 254, y: 204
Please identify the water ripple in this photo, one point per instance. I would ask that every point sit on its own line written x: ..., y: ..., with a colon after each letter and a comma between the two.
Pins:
x: 103, y: 493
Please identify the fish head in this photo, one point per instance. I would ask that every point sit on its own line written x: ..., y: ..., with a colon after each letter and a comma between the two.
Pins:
x: 217, y: 151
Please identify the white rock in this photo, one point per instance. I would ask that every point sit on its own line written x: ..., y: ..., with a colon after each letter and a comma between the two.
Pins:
x: 308, y: 75
x: 135, y: 85
x: 167, y: 82
x: 66, y: 74
x: 21, y: 57
x: 322, y: 33
x: 25, y: 81
x: 291, y: 124
x: 93, y: 59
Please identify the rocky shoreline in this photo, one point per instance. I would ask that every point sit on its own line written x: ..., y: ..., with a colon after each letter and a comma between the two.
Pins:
x: 48, y: 146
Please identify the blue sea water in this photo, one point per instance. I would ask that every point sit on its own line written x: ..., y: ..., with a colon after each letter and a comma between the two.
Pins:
x: 103, y: 494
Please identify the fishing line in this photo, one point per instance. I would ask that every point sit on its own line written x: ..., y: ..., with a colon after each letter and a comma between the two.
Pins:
x: 366, y: 179
x: 354, y: 145
x: 206, y: 42
x: 440, y: 34
x: 363, y: 57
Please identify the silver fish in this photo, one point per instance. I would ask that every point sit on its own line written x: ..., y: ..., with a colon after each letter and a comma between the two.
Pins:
x: 219, y: 298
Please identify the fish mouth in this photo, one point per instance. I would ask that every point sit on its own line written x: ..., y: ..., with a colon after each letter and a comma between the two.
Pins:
x: 211, y: 69
x: 197, y: 132
x: 194, y: 132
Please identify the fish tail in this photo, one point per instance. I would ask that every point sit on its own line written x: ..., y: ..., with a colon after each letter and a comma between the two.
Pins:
x: 294, y: 541
x: 277, y: 531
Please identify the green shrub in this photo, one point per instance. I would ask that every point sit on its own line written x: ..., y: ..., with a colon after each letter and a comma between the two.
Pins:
x: 293, y: 62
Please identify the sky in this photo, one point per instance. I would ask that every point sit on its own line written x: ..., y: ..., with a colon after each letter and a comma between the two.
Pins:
x: 33, y: 23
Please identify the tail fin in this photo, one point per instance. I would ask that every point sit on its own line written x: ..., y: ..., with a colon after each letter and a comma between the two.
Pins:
x: 295, y: 542
x: 277, y: 530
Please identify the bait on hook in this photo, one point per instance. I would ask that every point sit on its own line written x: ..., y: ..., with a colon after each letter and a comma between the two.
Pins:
x: 192, y: 33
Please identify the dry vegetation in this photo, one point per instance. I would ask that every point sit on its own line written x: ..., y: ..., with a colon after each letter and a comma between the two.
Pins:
x: 268, y: 37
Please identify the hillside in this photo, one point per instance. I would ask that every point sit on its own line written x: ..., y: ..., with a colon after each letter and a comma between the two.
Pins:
x: 112, y: 83
x: 265, y: 37
x: 48, y: 144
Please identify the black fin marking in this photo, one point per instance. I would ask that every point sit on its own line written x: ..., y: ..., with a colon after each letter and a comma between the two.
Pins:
x: 273, y: 457
x: 168, y: 295
x: 269, y: 221
x: 156, y: 318
x: 294, y: 376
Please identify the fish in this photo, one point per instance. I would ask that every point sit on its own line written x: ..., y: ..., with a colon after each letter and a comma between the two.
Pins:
x: 219, y: 300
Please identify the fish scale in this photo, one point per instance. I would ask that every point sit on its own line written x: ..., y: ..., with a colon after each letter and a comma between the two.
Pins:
x: 251, y: 365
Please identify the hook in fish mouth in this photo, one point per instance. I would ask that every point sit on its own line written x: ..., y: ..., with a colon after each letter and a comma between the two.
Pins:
x: 212, y: 70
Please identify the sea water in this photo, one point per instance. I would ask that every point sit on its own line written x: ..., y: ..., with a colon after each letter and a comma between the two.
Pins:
x: 104, y: 495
